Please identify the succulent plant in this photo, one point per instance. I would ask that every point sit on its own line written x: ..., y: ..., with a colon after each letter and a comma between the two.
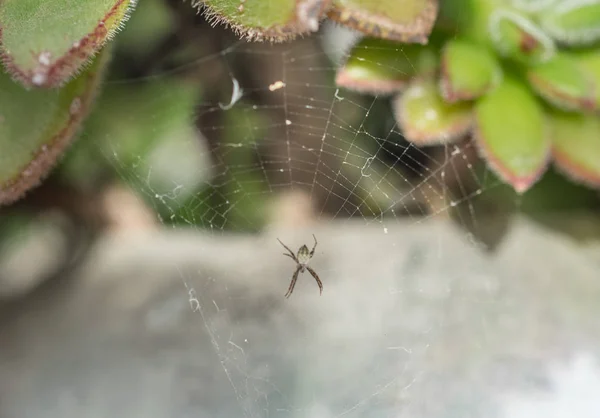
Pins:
x: 521, y: 78
x: 47, y: 48
x: 56, y: 52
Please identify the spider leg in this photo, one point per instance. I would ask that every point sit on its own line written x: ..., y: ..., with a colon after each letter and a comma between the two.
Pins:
x: 314, y: 247
x: 291, y: 254
x: 293, y: 283
x: 316, y: 276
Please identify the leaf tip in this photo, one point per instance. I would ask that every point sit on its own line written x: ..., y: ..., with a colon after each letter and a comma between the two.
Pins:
x: 43, y: 70
x: 306, y: 17
x: 348, y: 79
x: 576, y: 172
x: 520, y: 182
x: 375, y: 22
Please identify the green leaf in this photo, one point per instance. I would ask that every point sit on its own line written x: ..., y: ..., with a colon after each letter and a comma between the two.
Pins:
x: 564, y: 83
x: 468, y: 17
x: 36, y: 127
x: 408, y: 21
x: 517, y: 37
x: 468, y: 71
x: 379, y: 66
x: 512, y: 135
x: 273, y: 20
x: 589, y: 62
x: 573, y: 22
x: 576, y: 146
x: 533, y: 6
x: 426, y: 119
x: 45, y: 43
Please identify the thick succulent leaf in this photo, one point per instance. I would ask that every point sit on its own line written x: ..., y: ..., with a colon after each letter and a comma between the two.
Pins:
x: 468, y: 17
x: 45, y: 43
x: 516, y: 36
x: 573, y: 22
x: 426, y: 119
x: 576, y: 146
x: 408, y: 21
x: 468, y: 71
x: 379, y: 66
x: 533, y: 6
x: 273, y: 20
x: 564, y: 83
x: 37, y: 125
x: 589, y: 62
x: 512, y: 135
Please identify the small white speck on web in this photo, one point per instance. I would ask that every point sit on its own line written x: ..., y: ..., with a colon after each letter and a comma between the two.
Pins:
x: 193, y: 300
x: 385, y: 230
x: 288, y: 122
x: 366, y: 166
x: 276, y: 85
x: 236, y: 95
x: 406, y: 350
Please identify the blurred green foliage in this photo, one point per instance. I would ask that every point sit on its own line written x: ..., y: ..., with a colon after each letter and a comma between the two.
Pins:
x: 168, y: 71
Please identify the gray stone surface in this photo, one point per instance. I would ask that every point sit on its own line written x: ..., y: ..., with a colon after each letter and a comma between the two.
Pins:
x: 415, y: 322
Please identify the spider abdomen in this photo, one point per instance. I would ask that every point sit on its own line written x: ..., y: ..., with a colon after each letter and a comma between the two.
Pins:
x: 303, y: 255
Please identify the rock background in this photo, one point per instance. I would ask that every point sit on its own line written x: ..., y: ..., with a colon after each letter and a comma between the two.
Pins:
x: 415, y: 322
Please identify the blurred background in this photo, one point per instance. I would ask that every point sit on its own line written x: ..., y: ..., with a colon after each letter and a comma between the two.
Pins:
x: 144, y: 278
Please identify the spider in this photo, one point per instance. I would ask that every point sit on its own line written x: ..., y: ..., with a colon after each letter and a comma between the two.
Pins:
x: 302, y: 259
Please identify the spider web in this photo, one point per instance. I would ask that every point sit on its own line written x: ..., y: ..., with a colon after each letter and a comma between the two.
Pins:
x: 307, y: 157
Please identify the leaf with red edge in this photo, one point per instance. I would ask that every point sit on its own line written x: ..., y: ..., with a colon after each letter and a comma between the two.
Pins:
x: 576, y: 146
x: 468, y: 71
x: 45, y: 43
x: 426, y: 119
x: 379, y: 66
x: 470, y: 18
x: 511, y: 133
x: 36, y: 126
x: 573, y: 22
x: 589, y: 62
x: 564, y: 83
x: 516, y: 36
x: 408, y: 21
x: 272, y: 20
